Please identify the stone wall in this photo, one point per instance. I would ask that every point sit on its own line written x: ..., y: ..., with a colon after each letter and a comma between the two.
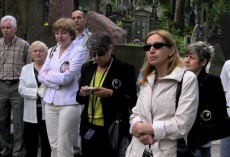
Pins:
x: 131, y: 54
x: 42, y: 33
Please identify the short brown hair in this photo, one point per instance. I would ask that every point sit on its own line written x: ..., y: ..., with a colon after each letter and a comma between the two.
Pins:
x: 65, y: 24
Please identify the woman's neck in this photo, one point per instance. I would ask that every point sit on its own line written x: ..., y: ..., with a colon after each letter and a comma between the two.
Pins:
x: 103, y: 68
x: 38, y: 65
x: 63, y: 48
x: 161, y: 72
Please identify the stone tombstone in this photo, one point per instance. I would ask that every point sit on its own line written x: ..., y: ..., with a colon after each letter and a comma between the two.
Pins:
x: 35, y: 14
x: 41, y: 33
x: 141, y: 23
x: 108, y: 9
x: 217, y: 61
x: 214, y: 36
x: 198, y: 33
x: 100, y: 23
x: 187, y: 40
x: 58, y: 9
x: 127, y: 26
x: 131, y: 54
x: 225, y: 35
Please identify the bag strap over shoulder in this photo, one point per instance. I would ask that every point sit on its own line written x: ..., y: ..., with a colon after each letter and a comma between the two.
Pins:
x: 178, y: 90
x: 52, y: 50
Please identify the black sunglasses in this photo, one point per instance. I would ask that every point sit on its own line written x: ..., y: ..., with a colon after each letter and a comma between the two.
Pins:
x: 156, y: 46
x: 99, y: 53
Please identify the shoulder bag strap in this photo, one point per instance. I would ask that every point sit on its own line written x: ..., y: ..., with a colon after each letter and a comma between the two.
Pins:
x: 178, y: 90
x: 52, y: 50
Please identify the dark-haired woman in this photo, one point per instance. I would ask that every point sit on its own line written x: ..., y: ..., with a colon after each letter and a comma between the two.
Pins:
x: 107, y: 87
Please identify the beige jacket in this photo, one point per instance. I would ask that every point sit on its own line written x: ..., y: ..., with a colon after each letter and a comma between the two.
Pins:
x: 156, y: 105
x: 87, y: 35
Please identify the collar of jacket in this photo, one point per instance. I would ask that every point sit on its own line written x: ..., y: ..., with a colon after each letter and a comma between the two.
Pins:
x: 175, y: 75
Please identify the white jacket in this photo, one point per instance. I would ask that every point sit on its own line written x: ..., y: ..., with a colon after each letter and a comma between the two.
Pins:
x: 225, y: 78
x: 62, y: 87
x: 156, y: 105
x: 28, y: 89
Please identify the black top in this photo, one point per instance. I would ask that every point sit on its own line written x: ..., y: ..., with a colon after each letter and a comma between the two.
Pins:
x: 39, y: 84
x: 121, y: 79
x: 212, y: 112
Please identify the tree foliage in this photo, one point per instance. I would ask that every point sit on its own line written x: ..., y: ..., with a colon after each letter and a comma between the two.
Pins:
x: 217, y: 8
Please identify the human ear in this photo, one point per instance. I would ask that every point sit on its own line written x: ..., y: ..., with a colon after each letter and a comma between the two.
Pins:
x: 171, y: 51
x: 203, y: 62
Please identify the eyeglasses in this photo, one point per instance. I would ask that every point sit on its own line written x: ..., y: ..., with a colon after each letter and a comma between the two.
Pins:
x: 99, y: 53
x: 156, y: 46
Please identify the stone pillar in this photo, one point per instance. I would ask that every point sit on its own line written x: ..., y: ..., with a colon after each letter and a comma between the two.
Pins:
x: 58, y: 9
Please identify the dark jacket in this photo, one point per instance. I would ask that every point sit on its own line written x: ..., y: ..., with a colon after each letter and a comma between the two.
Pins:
x: 212, y: 122
x: 124, y: 94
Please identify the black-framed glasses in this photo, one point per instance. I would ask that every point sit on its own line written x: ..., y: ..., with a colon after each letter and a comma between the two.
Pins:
x: 156, y: 46
x: 99, y: 53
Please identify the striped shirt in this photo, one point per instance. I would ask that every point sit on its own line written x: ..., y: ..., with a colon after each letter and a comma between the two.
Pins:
x: 13, y: 58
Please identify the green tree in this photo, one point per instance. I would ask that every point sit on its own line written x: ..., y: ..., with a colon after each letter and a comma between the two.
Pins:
x: 216, y: 10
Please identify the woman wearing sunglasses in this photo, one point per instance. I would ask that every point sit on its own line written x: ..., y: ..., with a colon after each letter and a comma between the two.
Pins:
x: 107, y: 87
x: 156, y: 124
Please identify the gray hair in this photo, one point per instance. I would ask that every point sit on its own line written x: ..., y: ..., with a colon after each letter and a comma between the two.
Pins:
x: 99, y: 41
x: 11, y: 18
x: 203, y: 50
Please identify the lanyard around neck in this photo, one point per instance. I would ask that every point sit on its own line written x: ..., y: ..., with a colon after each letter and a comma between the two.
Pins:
x: 95, y: 98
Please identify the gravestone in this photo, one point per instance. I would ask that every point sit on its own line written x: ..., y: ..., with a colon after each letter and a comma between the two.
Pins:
x: 41, y: 33
x: 217, y: 61
x: 58, y: 9
x: 225, y: 35
x: 131, y: 54
x: 198, y: 33
x: 100, y: 23
x: 141, y: 24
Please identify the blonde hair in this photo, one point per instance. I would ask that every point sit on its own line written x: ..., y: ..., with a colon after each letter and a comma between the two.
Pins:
x: 38, y: 43
x: 174, y: 61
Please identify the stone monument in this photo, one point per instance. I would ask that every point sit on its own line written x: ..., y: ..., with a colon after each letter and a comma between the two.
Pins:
x: 100, y: 23
x: 57, y: 9
x: 217, y: 61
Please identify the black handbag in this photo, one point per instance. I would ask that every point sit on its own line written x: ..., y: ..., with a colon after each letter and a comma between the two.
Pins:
x: 118, y: 143
x: 182, y: 148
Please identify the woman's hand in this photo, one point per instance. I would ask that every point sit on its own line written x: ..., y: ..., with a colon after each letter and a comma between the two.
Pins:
x: 136, y: 129
x: 84, y: 91
x: 102, y: 92
x: 140, y: 128
x: 147, y: 139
